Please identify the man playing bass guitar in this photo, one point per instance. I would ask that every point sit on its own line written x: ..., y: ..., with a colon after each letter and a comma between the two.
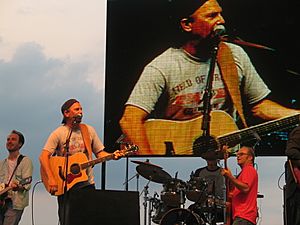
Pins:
x: 244, y: 188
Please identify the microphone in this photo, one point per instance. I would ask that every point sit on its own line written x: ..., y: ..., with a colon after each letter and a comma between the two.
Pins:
x: 77, y: 118
x: 218, y: 30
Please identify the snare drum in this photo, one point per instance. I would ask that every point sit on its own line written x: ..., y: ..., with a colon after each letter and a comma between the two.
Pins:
x: 173, y: 193
x: 196, y: 189
x: 181, y: 216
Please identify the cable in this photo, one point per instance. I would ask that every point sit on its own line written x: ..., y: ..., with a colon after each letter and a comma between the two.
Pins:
x: 32, y: 217
x: 278, y: 182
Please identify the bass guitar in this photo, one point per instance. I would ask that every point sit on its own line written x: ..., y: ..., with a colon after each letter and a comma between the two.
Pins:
x: 228, y: 204
x: 168, y: 137
x: 76, y: 171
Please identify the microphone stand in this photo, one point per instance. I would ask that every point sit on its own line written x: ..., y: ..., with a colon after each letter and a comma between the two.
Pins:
x: 126, y: 178
x: 66, y: 194
x: 205, y: 126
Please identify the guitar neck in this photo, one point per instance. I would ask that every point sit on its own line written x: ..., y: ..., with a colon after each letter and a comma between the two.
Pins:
x: 5, y: 190
x: 22, y: 182
x: 96, y: 161
x: 125, y: 152
x: 255, y: 132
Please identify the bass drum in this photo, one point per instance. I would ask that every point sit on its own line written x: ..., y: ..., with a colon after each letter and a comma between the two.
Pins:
x: 182, y: 217
x: 160, y: 210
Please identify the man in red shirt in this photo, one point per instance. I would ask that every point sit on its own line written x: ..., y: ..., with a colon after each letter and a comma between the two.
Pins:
x: 244, y: 188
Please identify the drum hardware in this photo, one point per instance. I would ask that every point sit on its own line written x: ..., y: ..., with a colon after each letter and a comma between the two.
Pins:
x: 213, y: 201
x: 173, y: 193
x: 137, y: 181
x: 154, y: 203
x: 152, y: 172
x: 214, y: 209
x: 145, y: 203
x: 260, y: 195
x: 181, y: 216
x: 160, y: 209
x: 156, y: 174
x: 206, y: 206
x: 196, y: 189
x: 146, y: 163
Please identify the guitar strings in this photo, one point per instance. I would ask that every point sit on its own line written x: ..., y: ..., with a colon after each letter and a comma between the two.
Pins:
x: 234, y: 139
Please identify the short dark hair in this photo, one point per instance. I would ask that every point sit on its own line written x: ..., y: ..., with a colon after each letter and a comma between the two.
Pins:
x: 21, y: 137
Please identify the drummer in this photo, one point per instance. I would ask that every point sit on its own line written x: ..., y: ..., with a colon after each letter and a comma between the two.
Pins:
x: 215, y: 182
x: 211, y: 173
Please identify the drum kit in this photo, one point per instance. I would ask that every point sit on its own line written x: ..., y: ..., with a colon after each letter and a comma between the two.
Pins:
x: 169, y: 208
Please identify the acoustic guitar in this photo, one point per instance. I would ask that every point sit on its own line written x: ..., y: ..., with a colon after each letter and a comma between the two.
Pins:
x: 169, y: 137
x: 76, y: 171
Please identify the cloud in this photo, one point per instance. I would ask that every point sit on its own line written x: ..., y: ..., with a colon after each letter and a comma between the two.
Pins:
x: 69, y: 27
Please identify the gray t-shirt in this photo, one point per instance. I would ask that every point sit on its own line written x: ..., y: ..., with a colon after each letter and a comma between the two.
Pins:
x: 57, y: 140
x: 215, y: 181
x: 181, y: 78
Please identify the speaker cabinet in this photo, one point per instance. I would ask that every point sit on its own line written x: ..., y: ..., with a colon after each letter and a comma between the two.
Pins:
x: 104, y: 207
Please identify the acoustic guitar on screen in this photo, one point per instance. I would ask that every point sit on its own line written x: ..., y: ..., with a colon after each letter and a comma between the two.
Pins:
x: 76, y: 171
x: 169, y: 137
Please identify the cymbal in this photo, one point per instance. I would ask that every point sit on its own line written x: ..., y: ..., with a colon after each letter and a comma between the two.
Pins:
x: 154, y: 174
x: 146, y: 163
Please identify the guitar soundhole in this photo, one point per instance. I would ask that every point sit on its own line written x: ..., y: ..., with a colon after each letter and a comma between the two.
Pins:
x: 75, y: 168
x: 205, y: 147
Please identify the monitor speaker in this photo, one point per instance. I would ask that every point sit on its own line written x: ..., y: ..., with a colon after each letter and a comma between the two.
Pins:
x: 104, y: 207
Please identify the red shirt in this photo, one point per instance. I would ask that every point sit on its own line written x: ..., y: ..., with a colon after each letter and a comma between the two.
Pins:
x: 244, y: 205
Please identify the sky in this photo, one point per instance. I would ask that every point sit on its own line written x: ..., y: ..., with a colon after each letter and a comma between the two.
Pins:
x: 51, y: 51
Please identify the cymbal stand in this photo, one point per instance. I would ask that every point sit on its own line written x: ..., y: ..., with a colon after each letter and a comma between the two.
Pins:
x: 128, y: 180
x: 182, y: 196
x: 152, y: 202
x: 145, y: 191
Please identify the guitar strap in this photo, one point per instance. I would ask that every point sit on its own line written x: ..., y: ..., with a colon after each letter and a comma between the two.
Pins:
x: 86, y: 139
x: 230, y: 76
x: 18, y: 162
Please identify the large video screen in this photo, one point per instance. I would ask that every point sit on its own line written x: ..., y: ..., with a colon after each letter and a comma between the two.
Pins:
x: 148, y: 104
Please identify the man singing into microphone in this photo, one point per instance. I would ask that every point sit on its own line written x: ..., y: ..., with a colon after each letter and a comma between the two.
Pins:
x: 69, y: 139
x: 172, y: 86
